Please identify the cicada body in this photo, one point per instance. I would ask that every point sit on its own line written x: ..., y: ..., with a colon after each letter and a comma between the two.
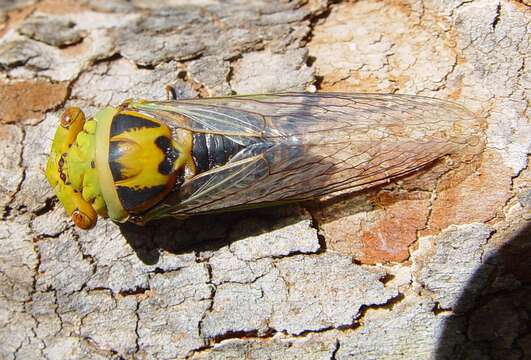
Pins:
x: 147, y: 160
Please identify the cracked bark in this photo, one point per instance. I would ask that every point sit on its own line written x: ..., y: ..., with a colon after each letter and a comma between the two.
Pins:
x: 418, y: 268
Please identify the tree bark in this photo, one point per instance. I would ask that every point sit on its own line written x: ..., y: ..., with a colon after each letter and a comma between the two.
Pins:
x: 432, y: 266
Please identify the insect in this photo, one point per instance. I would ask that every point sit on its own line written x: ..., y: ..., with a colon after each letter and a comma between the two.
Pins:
x: 146, y: 160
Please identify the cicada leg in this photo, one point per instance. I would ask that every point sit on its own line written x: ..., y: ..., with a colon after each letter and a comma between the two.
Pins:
x: 125, y: 104
x: 137, y: 220
x: 170, y: 92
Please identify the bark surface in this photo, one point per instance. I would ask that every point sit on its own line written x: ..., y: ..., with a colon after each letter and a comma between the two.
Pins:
x: 433, y: 266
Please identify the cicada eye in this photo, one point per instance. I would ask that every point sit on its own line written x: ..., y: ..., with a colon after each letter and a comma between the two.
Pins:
x: 82, y: 220
x: 72, y: 115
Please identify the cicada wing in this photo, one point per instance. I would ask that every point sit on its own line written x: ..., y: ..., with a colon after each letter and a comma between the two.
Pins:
x: 300, y: 146
x: 288, y: 114
x: 287, y: 173
x: 211, y: 115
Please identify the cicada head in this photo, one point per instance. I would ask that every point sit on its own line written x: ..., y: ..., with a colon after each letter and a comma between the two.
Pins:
x: 118, y: 164
x: 63, y: 167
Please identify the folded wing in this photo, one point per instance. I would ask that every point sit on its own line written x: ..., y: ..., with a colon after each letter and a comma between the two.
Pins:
x: 300, y: 146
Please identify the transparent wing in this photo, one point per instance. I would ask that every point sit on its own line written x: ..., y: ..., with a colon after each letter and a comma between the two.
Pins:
x: 300, y: 146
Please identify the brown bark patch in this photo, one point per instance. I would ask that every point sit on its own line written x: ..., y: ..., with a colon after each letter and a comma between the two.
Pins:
x: 384, y: 234
x: 15, y: 17
x: 28, y: 100
x: 60, y: 7
x: 476, y: 198
x: 57, y: 7
x: 76, y: 50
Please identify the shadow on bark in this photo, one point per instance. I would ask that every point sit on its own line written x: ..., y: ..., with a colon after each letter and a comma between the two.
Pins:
x: 206, y: 232
x: 494, y: 322
x: 212, y: 231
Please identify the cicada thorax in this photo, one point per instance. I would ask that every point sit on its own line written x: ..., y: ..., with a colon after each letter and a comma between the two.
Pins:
x: 141, y: 158
x: 139, y: 161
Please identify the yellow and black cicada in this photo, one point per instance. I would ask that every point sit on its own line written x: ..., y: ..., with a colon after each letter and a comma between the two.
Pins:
x: 147, y: 160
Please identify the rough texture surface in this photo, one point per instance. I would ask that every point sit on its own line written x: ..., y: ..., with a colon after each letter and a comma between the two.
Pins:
x: 432, y: 266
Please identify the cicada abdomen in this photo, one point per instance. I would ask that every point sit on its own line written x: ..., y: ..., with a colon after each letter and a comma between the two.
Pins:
x: 184, y: 157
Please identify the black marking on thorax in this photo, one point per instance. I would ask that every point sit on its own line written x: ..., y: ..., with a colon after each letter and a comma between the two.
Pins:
x: 125, y: 122
x: 210, y: 150
x: 115, y: 153
x: 170, y: 154
x: 132, y: 198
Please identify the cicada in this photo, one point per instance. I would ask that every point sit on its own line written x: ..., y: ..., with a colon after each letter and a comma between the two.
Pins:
x: 146, y: 160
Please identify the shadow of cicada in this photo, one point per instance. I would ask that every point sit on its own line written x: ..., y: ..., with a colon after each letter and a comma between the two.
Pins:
x: 207, y: 232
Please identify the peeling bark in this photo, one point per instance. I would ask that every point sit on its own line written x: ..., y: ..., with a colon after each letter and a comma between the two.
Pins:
x: 435, y: 265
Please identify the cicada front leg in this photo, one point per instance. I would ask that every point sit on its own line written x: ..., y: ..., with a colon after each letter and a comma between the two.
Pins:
x: 170, y: 93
